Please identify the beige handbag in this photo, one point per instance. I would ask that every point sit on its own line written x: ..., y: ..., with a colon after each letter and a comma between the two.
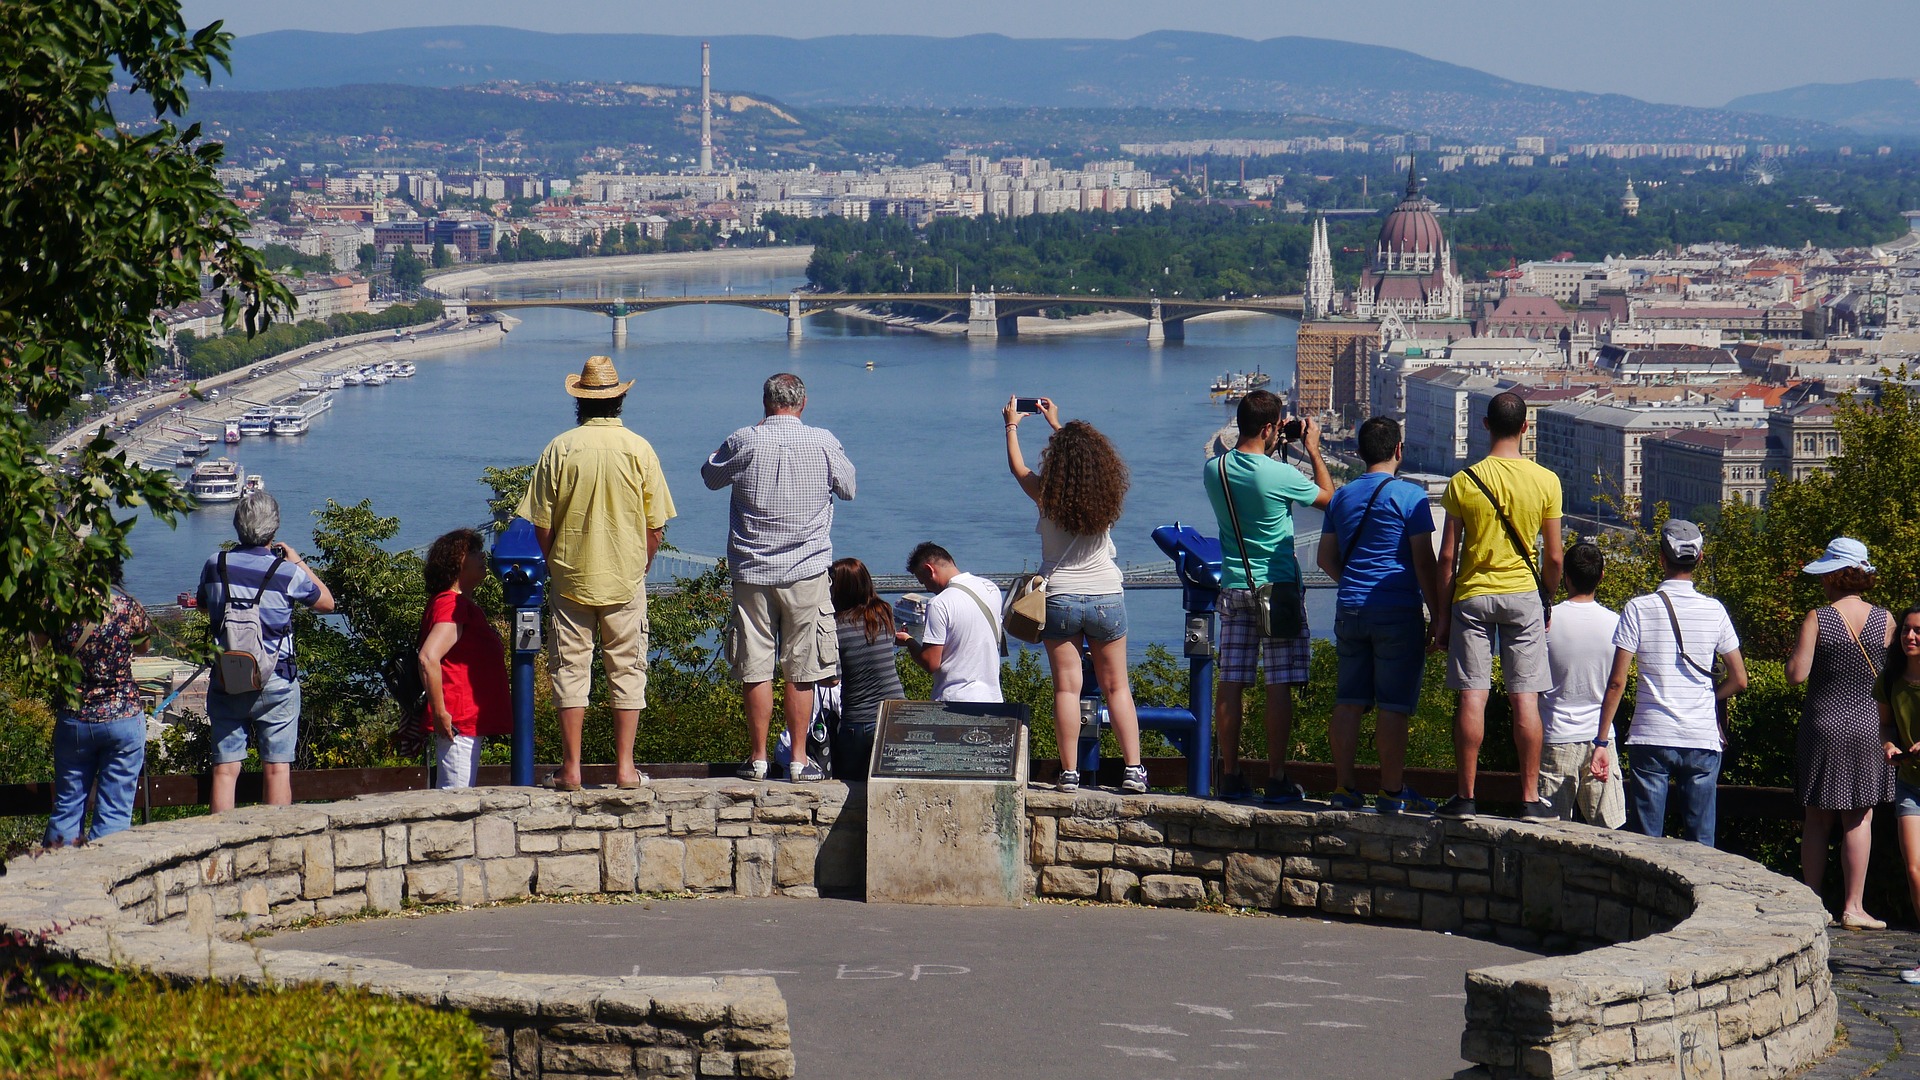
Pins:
x: 1026, y: 612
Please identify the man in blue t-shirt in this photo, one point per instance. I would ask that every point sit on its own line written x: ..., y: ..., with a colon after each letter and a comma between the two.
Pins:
x: 274, y: 577
x: 1256, y: 548
x: 1377, y: 543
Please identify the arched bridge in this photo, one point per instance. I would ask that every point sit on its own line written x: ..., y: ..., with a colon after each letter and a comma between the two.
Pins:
x: 989, y: 314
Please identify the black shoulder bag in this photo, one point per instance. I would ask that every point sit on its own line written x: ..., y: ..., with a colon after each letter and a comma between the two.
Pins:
x: 1525, y: 549
x: 1715, y: 673
x: 1346, y: 555
x: 1279, y: 608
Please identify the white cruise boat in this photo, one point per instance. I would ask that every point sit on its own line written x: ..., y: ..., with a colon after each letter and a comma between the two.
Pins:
x: 352, y: 378
x: 404, y: 369
x: 374, y: 377
x: 289, y: 420
x: 257, y: 421
x: 233, y: 431
x: 215, y: 481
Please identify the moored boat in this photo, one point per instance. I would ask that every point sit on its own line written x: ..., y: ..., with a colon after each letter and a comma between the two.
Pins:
x: 215, y: 481
x: 257, y: 421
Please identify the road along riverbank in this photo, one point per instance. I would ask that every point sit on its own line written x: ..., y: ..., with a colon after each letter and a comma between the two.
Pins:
x: 452, y: 282
x: 954, y: 325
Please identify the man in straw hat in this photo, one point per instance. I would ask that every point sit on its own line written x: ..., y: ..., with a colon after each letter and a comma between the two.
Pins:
x: 599, y: 505
x: 784, y: 476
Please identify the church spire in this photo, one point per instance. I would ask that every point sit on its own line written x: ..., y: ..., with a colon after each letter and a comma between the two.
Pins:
x: 1413, y: 179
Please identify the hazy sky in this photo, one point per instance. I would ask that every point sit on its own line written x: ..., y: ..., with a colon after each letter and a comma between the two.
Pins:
x: 1691, y: 52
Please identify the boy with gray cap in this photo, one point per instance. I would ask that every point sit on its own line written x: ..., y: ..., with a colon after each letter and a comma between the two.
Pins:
x: 1673, y: 633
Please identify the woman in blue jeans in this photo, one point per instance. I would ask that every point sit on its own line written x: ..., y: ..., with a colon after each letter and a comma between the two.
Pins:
x: 1080, y: 488
x: 100, y: 744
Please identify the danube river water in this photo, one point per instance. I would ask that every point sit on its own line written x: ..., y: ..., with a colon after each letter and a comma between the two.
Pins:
x: 923, y: 427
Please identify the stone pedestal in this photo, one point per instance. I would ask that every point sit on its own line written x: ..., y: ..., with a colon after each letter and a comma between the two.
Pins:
x: 958, y: 842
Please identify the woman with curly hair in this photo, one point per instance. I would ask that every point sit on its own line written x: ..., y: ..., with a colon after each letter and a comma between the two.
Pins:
x: 463, y: 662
x: 1080, y: 488
x: 1841, y: 772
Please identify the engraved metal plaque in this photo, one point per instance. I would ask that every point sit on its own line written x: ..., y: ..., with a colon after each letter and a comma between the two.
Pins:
x: 948, y: 740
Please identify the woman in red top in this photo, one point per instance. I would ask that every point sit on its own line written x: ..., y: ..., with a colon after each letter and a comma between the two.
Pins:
x: 462, y: 660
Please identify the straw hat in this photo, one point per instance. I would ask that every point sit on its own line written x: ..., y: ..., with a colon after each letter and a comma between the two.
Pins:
x: 597, y: 380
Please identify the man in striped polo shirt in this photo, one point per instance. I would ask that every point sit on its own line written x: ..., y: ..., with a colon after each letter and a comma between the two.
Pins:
x: 1677, y: 735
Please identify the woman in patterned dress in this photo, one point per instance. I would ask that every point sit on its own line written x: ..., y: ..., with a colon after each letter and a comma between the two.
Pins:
x: 1841, y: 769
x: 101, y: 743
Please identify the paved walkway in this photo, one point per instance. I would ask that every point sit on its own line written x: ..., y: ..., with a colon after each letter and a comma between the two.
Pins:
x: 1881, y: 1013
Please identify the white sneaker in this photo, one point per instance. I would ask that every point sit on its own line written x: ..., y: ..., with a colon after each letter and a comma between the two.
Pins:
x: 1911, y: 976
x: 1133, y: 780
x: 752, y: 769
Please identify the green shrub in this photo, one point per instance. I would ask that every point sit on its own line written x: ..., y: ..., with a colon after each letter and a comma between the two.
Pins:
x: 146, y: 1031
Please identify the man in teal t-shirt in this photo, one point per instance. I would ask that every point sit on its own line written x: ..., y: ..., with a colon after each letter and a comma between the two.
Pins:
x: 1259, y: 552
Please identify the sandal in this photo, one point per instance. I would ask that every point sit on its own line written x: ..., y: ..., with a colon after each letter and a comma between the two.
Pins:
x: 554, y: 783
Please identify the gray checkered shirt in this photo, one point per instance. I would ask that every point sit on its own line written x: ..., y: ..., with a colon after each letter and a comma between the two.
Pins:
x: 784, y: 476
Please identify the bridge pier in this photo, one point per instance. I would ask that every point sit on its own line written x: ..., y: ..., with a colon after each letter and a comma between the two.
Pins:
x: 1156, y: 326
x: 983, y: 319
x: 619, y: 329
x: 794, y: 327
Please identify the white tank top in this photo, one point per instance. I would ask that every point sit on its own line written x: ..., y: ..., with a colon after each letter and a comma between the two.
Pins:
x: 1077, y: 564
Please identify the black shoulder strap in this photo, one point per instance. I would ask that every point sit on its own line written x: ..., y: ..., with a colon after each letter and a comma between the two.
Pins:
x: 1361, y: 525
x: 1233, y: 516
x: 226, y: 588
x: 1513, y: 534
x: 1674, y: 618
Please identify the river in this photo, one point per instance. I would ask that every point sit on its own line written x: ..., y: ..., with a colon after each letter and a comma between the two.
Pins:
x: 922, y: 427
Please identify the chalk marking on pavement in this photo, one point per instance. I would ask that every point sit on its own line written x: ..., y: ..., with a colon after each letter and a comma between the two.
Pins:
x: 739, y: 971
x: 1254, y: 1031
x: 1222, y: 1066
x: 1206, y: 1010
x: 1360, y: 999
x: 1318, y: 963
x: 1145, y: 1029
x: 1296, y: 979
x: 1235, y: 1046
x: 1333, y: 1024
x: 1450, y: 997
x: 1400, y: 978
x: 1143, y: 1052
x: 1283, y: 1005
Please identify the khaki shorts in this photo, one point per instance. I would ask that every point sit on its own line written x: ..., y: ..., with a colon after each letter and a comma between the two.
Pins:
x: 623, y: 648
x: 1566, y: 784
x: 792, y: 622
x: 1518, y: 620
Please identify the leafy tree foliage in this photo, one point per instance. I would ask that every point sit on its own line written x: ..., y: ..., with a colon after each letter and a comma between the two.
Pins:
x: 99, y: 227
x: 282, y: 257
x: 408, y: 271
x: 207, y: 357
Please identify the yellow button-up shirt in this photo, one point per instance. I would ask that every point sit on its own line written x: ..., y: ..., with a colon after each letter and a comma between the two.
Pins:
x: 598, y: 488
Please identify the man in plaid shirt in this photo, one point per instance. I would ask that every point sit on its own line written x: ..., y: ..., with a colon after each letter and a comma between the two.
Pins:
x: 785, y: 475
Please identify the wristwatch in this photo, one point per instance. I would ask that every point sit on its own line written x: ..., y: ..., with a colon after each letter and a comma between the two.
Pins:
x: 1603, y: 742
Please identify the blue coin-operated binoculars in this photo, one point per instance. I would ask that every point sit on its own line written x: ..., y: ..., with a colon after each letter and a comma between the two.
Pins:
x: 522, y: 568
x: 1196, y: 559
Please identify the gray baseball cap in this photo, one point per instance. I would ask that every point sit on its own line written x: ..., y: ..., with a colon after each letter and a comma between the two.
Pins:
x: 1680, y: 541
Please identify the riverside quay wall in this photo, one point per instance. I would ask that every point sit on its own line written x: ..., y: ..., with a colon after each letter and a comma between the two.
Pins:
x: 1666, y: 959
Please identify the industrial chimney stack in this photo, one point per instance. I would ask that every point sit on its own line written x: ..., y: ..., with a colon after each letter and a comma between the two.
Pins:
x: 706, y: 109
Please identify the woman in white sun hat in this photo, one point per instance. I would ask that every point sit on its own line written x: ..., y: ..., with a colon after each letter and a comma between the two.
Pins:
x: 1840, y: 764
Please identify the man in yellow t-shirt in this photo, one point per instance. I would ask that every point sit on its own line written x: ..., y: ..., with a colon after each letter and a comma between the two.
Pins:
x: 599, y: 506
x: 1498, y: 586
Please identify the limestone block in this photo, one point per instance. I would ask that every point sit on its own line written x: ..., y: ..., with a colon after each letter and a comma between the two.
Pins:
x: 1252, y: 880
x: 1118, y: 886
x: 557, y: 1057
x: 1151, y: 860
x: 766, y: 1064
x: 1043, y: 834
x: 618, y: 865
x: 317, y: 882
x: 690, y: 821
x: 1230, y: 839
x: 1614, y: 1047
x: 1467, y: 856
x: 394, y: 840
x: 494, y: 838
x: 1355, y: 900
x: 253, y: 899
x: 1172, y: 890
x: 559, y: 875
x: 661, y: 865
x: 1082, y: 829
x: 1069, y: 881
x: 251, y: 859
x: 733, y: 831
x: 580, y: 840
x: 1391, y: 903
x: 1440, y: 913
x: 1140, y: 832
x: 1083, y: 853
x: 542, y: 843
x: 385, y: 888
x: 753, y: 867
x: 949, y: 842
x: 1654, y: 1042
x: 716, y: 1063
x: 793, y: 860
x: 360, y: 847
x: 507, y: 879
x: 1440, y: 881
x: 780, y: 815
x: 1204, y: 862
x: 1299, y: 892
x: 434, y: 840
x: 433, y: 884
x: 709, y: 863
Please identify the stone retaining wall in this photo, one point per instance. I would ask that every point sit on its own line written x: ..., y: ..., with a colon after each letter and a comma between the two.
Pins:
x: 177, y: 898
x: 1686, y: 961
x: 1695, y: 963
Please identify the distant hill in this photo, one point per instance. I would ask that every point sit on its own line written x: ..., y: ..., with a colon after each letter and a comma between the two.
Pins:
x: 1889, y: 107
x: 1387, y: 88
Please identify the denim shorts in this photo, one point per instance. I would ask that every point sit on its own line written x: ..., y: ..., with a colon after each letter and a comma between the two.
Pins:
x: 1906, y: 799
x: 1101, y: 618
x: 274, y: 709
x: 1382, y: 658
